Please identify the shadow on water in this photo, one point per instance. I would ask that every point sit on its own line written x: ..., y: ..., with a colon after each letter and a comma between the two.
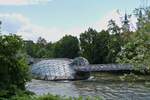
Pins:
x: 108, y: 86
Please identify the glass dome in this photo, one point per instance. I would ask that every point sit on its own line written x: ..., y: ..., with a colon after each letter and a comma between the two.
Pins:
x: 54, y: 69
x: 79, y: 61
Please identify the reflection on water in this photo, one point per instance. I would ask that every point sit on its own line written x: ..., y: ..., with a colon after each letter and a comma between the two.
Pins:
x: 108, y: 90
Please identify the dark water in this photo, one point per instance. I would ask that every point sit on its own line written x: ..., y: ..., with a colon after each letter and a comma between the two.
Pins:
x: 104, y: 87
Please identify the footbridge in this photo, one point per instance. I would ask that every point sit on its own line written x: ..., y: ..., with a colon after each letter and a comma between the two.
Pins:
x: 108, y: 68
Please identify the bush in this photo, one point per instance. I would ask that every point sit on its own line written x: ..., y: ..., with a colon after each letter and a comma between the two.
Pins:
x: 13, y: 66
x: 52, y: 97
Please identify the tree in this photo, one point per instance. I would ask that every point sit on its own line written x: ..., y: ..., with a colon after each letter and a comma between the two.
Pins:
x: 30, y: 48
x: 113, y: 28
x: 50, y: 50
x: 143, y: 16
x: 101, y: 50
x: 136, y: 50
x: 67, y: 47
x: 13, y: 66
x: 114, y: 47
x: 41, y: 49
x: 87, y: 44
x: 94, y: 46
x: 115, y: 40
x: 41, y: 41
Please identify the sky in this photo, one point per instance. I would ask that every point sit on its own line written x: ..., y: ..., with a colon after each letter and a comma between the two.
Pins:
x: 52, y: 19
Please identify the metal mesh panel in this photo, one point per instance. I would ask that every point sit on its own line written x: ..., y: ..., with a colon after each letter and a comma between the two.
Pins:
x: 105, y: 67
x: 53, y: 70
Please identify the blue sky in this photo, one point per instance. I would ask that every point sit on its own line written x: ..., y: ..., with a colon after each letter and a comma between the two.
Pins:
x: 60, y: 17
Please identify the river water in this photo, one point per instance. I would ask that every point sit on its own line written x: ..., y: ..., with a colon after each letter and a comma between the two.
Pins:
x: 106, y: 87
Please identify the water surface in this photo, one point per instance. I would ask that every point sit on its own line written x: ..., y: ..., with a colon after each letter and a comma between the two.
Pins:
x: 102, y: 86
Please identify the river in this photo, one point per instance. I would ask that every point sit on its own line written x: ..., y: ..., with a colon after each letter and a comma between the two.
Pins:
x: 109, y: 88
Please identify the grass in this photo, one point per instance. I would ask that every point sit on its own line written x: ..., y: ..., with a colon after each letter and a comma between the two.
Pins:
x: 52, y: 97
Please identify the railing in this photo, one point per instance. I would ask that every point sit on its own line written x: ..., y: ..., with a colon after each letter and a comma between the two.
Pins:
x: 107, y: 67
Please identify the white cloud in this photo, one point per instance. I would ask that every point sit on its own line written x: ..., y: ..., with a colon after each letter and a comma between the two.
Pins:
x: 22, y: 2
x: 21, y: 25
x: 114, y: 15
x: 12, y: 22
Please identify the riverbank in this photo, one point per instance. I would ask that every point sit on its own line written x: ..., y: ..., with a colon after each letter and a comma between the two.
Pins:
x: 120, y: 77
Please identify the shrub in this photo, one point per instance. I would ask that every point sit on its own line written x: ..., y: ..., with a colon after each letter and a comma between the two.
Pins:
x: 13, y: 67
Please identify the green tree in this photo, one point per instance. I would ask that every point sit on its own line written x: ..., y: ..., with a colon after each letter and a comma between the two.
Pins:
x: 100, y: 49
x: 13, y: 66
x: 67, y: 47
x: 41, y: 41
x: 50, y: 50
x: 115, y: 40
x: 41, y: 49
x: 113, y: 28
x: 30, y: 48
x: 87, y: 44
x: 94, y: 46
x: 114, y: 47
x: 136, y: 50
x: 143, y: 16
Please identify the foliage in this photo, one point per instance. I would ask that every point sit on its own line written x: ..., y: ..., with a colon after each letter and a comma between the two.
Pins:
x: 51, y: 97
x: 136, y: 50
x: 67, y: 47
x: 129, y: 77
x: 115, y: 41
x: 39, y: 49
x: 114, y: 47
x: 87, y: 44
x: 41, y: 41
x: 13, y: 67
x: 143, y: 17
x: 100, y: 47
x: 30, y: 48
x: 113, y: 27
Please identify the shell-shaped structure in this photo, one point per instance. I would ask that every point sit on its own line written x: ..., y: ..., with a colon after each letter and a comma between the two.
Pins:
x: 53, y: 69
x: 79, y: 61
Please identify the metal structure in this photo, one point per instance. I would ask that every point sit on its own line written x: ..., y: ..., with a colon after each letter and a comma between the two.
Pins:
x: 58, y: 69
x: 105, y: 68
x: 79, y: 68
x: 55, y: 69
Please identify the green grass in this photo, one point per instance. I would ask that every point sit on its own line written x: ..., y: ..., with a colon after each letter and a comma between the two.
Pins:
x: 51, y: 97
